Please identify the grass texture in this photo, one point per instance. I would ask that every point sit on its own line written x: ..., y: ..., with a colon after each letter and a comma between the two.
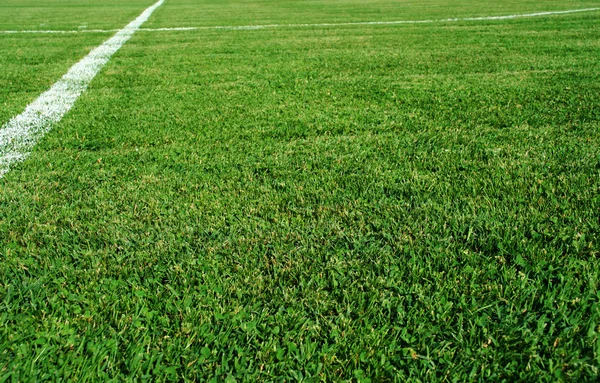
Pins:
x: 68, y: 14
x: 360, y: 203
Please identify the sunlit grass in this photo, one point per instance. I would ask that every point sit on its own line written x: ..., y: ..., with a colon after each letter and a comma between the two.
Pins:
x: 387, y: 203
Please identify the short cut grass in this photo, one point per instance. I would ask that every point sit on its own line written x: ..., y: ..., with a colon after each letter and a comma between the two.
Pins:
x: 384, y: 203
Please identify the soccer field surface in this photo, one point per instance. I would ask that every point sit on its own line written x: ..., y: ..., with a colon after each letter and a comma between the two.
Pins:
x: 326, y: 190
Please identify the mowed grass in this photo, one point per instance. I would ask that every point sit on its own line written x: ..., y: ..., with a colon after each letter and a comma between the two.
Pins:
x: 251, y: 12
x: 68, y: 14
x: 389, y: 203
x: 31, y: 63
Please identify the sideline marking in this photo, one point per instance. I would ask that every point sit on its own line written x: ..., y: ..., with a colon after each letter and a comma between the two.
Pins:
x: 20, y: 134
x: 252, y: 27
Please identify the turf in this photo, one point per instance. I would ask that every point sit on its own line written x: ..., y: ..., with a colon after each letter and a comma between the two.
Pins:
x: 26, y: 70
x: 187, y: 13
x: 31, y: 63
x: 68, y: 14
x: 383, y: 203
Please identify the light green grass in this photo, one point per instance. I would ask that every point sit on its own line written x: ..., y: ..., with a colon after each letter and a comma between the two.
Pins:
x: 406, y: 203
x: 30, y: 64
x: 251, y: 12
x: 68, y: 14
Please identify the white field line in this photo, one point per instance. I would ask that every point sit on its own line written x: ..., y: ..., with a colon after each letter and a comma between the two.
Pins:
x: 252, y: 27
x: 21, y: 133
x: 482, y: 18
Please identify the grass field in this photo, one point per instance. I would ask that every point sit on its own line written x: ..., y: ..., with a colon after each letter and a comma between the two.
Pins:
x: 414, y: 202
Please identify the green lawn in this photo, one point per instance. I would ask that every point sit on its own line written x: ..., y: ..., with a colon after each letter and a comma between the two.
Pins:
x: 393, y: 203
x: 68, y: 14
x: 31, y: 63
x: 188, y: 13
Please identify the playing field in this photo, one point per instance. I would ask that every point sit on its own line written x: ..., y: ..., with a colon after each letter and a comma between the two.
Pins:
x: 304, y: 190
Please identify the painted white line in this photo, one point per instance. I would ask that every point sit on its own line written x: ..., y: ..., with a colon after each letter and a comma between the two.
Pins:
x: 538, y: 14
x: 252, y: 27
x: 22, y: 132
x: 482, y: 18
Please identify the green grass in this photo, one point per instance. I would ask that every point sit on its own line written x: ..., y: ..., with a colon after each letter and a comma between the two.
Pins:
x: 393, y: 203
x: 68, y: 14
x: 251, y: 12
x: 26, y: 70
x: 31, y: 63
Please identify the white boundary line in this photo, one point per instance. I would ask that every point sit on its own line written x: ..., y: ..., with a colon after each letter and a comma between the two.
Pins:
x: 253, y: 27
x: 482, y: 18
x: 21, y: 133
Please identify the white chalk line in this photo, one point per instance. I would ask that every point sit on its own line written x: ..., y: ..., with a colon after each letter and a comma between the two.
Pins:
x: 20, y: 134
x: 482, y: 18
x: 264, y: 26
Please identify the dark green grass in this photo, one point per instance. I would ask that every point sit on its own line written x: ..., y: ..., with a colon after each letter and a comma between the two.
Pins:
x: 393, y: 203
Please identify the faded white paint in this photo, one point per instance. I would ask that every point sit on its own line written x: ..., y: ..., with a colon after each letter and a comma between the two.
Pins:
x: 22, y: 132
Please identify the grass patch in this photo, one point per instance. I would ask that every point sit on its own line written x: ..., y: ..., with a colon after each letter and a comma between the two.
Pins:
x: 68, y: 14
x: 26, y: 70
x: 248, y: 12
